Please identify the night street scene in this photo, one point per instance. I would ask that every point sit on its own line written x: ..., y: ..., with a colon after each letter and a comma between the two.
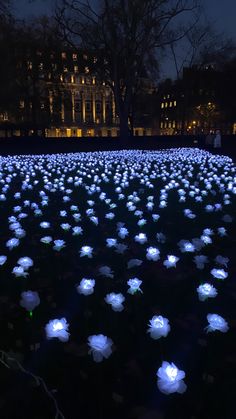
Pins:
x: 118, y: 209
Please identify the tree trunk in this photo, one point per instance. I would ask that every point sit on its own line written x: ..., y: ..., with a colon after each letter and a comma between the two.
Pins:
x: 124, y: 127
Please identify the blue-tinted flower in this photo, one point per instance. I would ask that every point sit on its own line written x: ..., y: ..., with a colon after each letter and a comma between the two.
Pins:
x: 25, y: 262
x: 206, y: 291
x: 134, y: 285
x: 153, y: 253
x: 100, y: 347
x: 86, y: 251
x: 170, y: 379
x: 2, y: 260
x: 219, y: 273
x: 216, y: 322
x: 46, y: 239
x: 158, y: 327
x: 115, y: 300
x: 12, y: 243
x: 86, y: 286
x: 58, y: 328
x: 58, y: 245
x: 171, y: 261
x: 29, y: 300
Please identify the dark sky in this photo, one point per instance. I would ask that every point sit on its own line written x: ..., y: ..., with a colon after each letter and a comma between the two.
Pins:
x: 221, y: 12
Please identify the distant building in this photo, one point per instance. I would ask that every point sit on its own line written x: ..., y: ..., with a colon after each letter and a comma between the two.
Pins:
x: 60, y: 96
x: 198, y: 103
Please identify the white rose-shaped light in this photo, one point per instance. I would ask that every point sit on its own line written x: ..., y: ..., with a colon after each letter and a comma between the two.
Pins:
x: 123, y: 232
x: 86, y: 286
x: 216, y: 322
x: 77, y: 231
x: 25, y: 262
x: 58, y: 245
x: 44, y: 224
x: 12, y: 243
x: 219, y: 273
x: 57, y: 328
x: 206, y: 291
x: 115, y: 300
x: 29, y: 300
x: 46, y: 239
x: 2, y: 260
x: 100, y: 347
x: 86, y: 251
x: 111, y: 242
x: 171, y: 261
x: 153, y: 253
x: 19, y: 271
x: 158, y: 327
x: 170, y: 379
x: 141, y: 238
x: 134, y: 285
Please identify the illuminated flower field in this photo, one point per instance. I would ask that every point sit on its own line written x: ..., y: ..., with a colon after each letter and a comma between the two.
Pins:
x: 118, y: 279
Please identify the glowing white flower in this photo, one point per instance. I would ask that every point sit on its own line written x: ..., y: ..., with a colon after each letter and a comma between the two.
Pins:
x: 153, y: 253
x: 19, y: 271
x: 19, y: 233
x: 46, y: 239
x: 77, y: 231
x: 111, y: 242
x: 171, y: 261
x: 65, y: 226
x: 63, y: 213
x: 170, y: 379
x: 219, y: 273
x: 12, y: 243
x: 106, y: 271
x: 141, y: 222
x: 86, y: 286
x: 141, y: 238
x: 2, y: 260
x: 86, y: 251
x: 44, y: 224
x: 115, y: 300
x: 186, y: 246
x: 25, y: 262
x: 57, y: 328
x: 216, y: 322
x: 158, y: 327
x: 58, y: 245
x: 206, y: 239
x: 134, y: 285
x: 110, y: 215
x: 100, y: 347
x: 155, y: 217
x: 123, y: 232
x: 206, y: 291
x: 29, y: 300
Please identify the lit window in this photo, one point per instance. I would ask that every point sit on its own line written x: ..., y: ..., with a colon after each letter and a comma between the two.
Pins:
x: 94, y: 60
x: 61, y: 77
x: 82, y: 80
x: 166, y: 104
x: 41, y: 66
x: 29, y: 65
x: 65, y: 69
x: 169, y: 125
x: 72, y: 78
x: 42, y: 105
x: 63, y: 55
x: 162, y: 105
x: 161, y: 124
x: 94, y: 80
x: 171, y: 104
x: 168, y: 96
x: 174, y: 102
x: 86, y: 70
x: 85, y: 57
x: 173, y: 124
x: 76, y: 68
x: 74, y: 57
x: 22, y: 104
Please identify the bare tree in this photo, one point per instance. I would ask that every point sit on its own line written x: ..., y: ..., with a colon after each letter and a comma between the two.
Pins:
x: 125, y: 36
x: 202, y: 45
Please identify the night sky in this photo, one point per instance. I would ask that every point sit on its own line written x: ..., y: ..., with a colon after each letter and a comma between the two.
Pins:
x: 221, y: 12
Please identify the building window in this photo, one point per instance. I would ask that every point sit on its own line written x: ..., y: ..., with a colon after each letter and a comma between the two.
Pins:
x: 65, y: 69
x: 85, y: 57
x: 86, y: 69
x: 166, y: 104
x: 94, y: 80
x: 161, y: 124
x: 76, y: 68
x: 41, y: 66
x: 171, y: 104
x: 72, y: 79
x: 63, y: 55
x: 82, y: 80
x: 74, y: 57
x: 175, y: 103
x: 88, y: 106
x: 162, y: 105
x: 42, y: 106
x: 22, y: 104
x: 29, y: 65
